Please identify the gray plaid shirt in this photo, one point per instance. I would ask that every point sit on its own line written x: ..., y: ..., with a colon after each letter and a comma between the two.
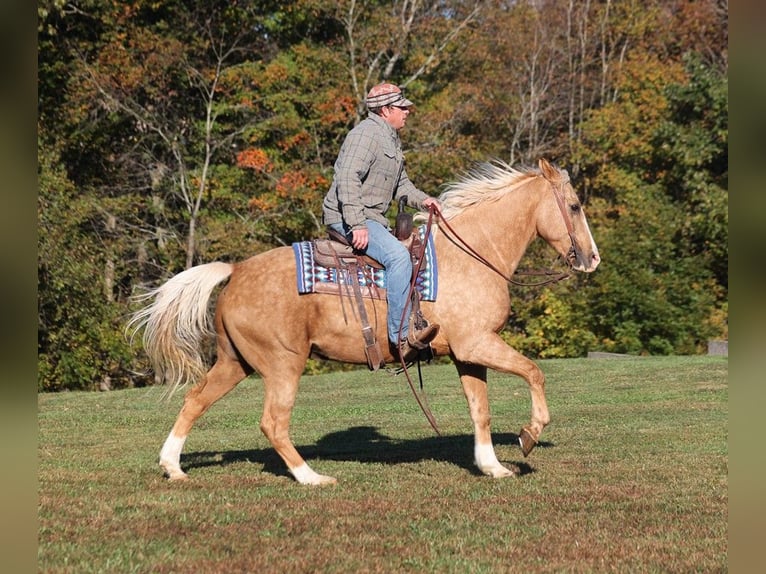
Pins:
x: 369, y: 174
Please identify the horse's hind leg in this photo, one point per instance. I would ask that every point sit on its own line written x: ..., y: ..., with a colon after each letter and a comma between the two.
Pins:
x: 281, y: 388
x: 218, y: 381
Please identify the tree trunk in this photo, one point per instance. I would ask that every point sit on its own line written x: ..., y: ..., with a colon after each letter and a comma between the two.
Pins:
x: 111, y: 227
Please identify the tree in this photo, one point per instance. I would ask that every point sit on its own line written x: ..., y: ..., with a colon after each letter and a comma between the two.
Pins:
x: 658, y: 296
x: 178, y: 132
x: 163, y: 92
x: 405, y: 40
x: 692, y: 163
x: 75, y: 349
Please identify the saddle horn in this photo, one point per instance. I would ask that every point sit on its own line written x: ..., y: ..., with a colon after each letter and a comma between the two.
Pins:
x: 404, y: 221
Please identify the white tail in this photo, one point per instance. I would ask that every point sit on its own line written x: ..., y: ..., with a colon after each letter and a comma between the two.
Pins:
x: 176, y: 323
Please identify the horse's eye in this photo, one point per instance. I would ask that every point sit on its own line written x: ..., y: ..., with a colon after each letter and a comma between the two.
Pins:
x: 575, y: 207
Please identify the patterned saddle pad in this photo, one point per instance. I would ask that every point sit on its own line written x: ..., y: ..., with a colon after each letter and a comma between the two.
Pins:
x: 314, y: 278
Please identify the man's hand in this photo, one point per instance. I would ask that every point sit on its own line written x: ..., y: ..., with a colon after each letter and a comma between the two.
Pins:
x: 360, y: 238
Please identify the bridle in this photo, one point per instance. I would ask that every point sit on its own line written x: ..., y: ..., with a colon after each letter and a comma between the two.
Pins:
x: 558, y: 193
x: 552, y: 276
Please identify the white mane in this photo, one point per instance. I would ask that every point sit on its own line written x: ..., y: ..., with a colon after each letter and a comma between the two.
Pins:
x: 486, y: 182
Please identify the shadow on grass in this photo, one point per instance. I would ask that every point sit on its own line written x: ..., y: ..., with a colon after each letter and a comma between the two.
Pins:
x: 366, y: 444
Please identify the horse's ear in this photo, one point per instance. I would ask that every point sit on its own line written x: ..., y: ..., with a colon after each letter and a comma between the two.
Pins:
x: 549, y: 172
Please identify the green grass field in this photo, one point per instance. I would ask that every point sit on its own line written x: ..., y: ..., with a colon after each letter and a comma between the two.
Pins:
x: 631, y: 476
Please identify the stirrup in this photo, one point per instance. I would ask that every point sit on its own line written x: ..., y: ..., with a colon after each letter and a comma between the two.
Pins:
x: 420, y: 339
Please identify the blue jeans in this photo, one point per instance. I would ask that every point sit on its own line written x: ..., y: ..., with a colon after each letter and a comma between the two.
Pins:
x: 387, y: 249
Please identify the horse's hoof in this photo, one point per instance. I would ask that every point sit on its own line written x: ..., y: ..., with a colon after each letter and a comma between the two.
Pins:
x: 174, y: 474
x: 501, y: 472
x: 320, y: 480
x: 304, y: 475
x: 183, y: 477
x: 326, y: 480
x: 526, y: 441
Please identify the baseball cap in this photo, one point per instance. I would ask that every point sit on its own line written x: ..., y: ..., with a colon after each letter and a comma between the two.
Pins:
x: 387, y: 95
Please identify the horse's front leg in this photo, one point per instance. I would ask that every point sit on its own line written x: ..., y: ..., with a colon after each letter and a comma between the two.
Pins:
x: 474, y: 381
x: 492, y: 352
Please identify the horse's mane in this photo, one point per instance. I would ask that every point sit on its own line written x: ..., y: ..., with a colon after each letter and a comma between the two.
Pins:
x: 486, y: 182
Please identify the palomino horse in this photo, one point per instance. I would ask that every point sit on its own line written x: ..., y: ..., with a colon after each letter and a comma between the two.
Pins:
x: 488, y: 220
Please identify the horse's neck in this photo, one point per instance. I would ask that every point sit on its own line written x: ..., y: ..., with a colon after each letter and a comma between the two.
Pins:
x: 499, y: 231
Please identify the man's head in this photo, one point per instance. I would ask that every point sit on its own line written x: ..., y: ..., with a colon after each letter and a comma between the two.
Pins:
x: 388, y: 101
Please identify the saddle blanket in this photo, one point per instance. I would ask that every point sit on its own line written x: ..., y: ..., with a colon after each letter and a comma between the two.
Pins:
x: 314, y: 278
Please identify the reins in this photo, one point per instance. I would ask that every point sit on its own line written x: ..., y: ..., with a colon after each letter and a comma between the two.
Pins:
x: 422, y: 401
x: 554, y: 277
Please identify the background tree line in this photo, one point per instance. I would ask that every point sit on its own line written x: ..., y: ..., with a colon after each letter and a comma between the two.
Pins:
x: 172, y: 133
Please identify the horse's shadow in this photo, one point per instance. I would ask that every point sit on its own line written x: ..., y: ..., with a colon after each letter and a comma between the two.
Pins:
x: 367, y: 444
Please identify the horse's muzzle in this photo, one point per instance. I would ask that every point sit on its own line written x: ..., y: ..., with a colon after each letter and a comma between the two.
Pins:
x: 580, y: 260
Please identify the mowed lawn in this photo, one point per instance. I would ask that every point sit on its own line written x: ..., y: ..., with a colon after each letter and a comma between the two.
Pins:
x: 631, y: 476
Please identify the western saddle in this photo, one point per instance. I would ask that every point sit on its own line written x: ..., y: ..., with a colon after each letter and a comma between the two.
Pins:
x: 335, y: 252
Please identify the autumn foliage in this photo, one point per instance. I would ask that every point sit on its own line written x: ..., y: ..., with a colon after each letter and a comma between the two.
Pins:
x: 190, y: 132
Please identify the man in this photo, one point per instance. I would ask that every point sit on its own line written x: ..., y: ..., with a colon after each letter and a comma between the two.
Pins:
x: 369, y: 174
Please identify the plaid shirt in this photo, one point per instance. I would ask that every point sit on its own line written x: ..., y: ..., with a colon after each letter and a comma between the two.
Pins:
x: 369, y: 174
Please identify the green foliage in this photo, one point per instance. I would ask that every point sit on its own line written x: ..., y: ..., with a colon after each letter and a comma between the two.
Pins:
x: 653, y: 293
x: 553, y: 327
x: 80, y: 341
x: 659, y: 299
x: 691, y: 152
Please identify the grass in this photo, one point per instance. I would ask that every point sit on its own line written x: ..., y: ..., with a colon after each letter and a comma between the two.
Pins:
x: 631, y: 476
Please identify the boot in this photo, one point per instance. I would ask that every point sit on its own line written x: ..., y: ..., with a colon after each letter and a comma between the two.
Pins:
x: 409, y: 349
x: 404, y: 351
x: 420, y: 339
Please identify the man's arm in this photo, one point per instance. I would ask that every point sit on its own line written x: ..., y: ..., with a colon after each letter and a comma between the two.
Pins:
x: 351, y: 168
x: 415, y: 197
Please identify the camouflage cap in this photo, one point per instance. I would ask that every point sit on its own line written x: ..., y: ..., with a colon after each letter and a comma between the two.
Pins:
x: 386, y: 95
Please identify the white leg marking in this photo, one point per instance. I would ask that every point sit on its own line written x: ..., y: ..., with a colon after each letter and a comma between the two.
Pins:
x: 170, y: 457
x: 484, y: 456
x: 305, y: 475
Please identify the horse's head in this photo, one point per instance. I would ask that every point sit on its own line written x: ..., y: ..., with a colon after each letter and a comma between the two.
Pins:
x: 562, y: 222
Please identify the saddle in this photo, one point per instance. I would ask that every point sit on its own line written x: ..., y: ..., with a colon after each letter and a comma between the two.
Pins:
x: 335, y: 252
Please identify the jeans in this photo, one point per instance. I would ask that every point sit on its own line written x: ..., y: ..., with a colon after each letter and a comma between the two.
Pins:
x: 387, y: 249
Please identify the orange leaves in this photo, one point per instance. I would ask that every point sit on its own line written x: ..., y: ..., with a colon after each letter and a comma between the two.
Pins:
x: 290, y: 183
x: 293, y: 190
x: 297, y: 183
x: 263, y: 203
x: 284, y: 189
x: 255, y: 159
x: 336, y: 111
x: 299, y: 139
x: 276, y: 73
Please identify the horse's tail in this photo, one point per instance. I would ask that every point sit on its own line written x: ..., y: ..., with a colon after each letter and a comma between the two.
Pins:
x: 177, y: 323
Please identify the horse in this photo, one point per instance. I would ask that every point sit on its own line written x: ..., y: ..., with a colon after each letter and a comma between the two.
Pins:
x: 487, y: 220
